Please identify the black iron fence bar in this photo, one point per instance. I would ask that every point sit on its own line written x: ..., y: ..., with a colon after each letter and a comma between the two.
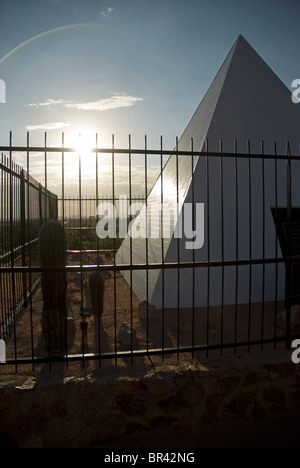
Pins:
x: 63, y: 212
x: 263, y: 243
x: 17, y: 288
x: 193, y: 252
x: 4, y: 240
x: 208, y: 243
x: 222, y: 245
x: 5, y: 326
x: 12, y: 259
x: 30, y: 279
x: 276, y: 245
x: 178, y: 248
x: 115, y: 271
x: 250, y: 238
x: 162, y: 243
x: 80, y: 255
x: 149, y: 266
x: 17, y: 249
x: 289, y: 245
x: 236, y: 242
x: 23, y: 230
x: 45, y: 172
x: 16, y: 192
x: 57, y: 149
x: 139, y: 352
x: 131, y: 276
x: 98, y: 259
x: 147, y: 245
x: 28, y: 179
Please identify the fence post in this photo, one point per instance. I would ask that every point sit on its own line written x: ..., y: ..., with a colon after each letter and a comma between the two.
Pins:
x: 23, y: 232
x: 289, y: 264
x: 40, y: 204
x: 55, y: 204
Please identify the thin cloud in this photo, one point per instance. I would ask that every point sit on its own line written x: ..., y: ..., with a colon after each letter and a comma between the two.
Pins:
x: 107, y: 11
x: 116, y: 101
x: 49, y: 103
x: 48, y: 126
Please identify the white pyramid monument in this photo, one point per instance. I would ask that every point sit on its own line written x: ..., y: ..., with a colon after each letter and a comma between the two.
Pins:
x: 245, y: 102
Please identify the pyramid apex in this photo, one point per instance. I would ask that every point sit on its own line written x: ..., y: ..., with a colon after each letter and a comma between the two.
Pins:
x: 245, y: 101
x: 241, y: 38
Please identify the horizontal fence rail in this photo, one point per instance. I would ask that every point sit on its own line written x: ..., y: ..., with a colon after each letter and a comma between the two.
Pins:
x: 190, y: 251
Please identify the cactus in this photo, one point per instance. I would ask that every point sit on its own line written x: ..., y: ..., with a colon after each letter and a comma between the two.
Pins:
x: 96, y: 286
x: 54, y: 285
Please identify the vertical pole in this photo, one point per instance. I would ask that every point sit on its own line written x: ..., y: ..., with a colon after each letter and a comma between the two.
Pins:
x: 289, y: 252
x: 97, y: 330
x: 40, y: 204
x: 46, y: 182
x: 12, y: 255
x: 193, y: 251
x: 131, y: 272
x: 146, y: 228
x: 114, y: 251
x: 162, y: 248
x: 23, y: 233
x: 236, y: 246
x: 263, y: 244
x: 208, y: 247
x: 30, y: 237
x: 63, y: 224
x: 223, y: 242
x: 2, y: 247
x: 178, y: 249
x: 83, y: 323
x: 276, y: 246
x: 250, y: 240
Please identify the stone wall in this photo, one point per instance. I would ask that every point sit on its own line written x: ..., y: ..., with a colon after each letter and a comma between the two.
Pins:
x: 90, y: 410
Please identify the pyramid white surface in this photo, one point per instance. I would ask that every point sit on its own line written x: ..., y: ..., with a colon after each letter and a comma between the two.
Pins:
x: 246, y: 101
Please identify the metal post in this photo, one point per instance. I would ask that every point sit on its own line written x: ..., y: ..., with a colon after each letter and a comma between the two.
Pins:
x: 23, y: 233
x: 289, y: 251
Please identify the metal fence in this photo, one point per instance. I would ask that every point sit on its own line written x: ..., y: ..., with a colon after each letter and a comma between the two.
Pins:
x: 159, y: 298
x: 24, y: 205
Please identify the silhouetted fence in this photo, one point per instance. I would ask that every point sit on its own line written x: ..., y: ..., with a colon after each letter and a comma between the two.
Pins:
x: 160, y: 297
x: 24, y: 204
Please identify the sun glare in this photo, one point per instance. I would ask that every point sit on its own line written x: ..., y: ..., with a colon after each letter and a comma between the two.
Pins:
x: 83, y: 141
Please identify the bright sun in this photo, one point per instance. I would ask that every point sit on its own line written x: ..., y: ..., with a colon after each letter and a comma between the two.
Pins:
x: 82, y: 140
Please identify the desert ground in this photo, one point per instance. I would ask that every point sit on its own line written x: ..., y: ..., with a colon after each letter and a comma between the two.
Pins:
x: 170, y: 328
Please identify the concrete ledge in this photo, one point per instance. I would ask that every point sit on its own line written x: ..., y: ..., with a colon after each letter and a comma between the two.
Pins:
x: 94, y: 410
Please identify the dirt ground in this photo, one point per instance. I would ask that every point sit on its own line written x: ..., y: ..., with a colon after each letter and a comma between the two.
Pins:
x: 273, y: 431
x: 170, y: 328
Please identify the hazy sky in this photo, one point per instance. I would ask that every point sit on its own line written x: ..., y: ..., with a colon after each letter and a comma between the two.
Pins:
x: 128, y: 66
